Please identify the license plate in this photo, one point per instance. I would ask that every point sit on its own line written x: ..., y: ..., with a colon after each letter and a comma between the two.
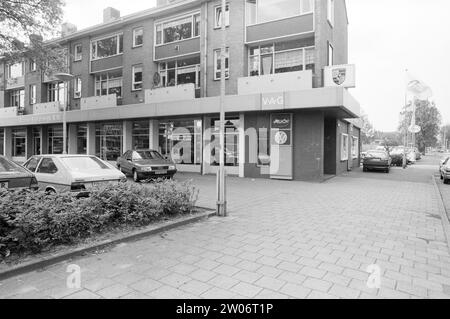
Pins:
x: 161, y: 172
x: 4, y: 184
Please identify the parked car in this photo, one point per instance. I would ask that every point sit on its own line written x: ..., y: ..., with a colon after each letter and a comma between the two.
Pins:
x: 444, y: 170
x: 146, y: 164
x: 13, y: 176
x: 377, y: 160
x: 72, y: 173
x: 397, y: 156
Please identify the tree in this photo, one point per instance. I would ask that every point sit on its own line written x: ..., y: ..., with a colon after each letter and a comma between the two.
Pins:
x: 24, y: 24
x: 445, y: 134
x: 367, y: 131
x: 428, y: 118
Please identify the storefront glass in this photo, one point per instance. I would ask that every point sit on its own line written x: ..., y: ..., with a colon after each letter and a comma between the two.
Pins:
x: 36, y: 141
x: 82, y: 139
x: 181, y: 140
x: 108, y: 140
x: 55, y: 140
x: 141, y: 135
x: 231, y: 142
x: 2, y: 141
x: 19, y: 142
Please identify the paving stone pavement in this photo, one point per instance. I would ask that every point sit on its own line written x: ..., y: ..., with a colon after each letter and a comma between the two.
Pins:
x: 281, y: 240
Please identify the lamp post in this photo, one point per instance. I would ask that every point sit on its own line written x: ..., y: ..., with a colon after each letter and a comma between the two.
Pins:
x: 65, y: 77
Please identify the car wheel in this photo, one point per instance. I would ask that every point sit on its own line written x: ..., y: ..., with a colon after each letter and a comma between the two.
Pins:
x: 50, y: 191
x: 364, y: 169
x: 445, y: 181
x: 135, y: 176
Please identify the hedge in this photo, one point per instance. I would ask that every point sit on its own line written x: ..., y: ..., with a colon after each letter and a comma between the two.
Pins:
x: 33, y: 221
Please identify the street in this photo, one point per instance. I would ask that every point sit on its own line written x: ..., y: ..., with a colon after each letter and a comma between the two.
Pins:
x: 281, y: 240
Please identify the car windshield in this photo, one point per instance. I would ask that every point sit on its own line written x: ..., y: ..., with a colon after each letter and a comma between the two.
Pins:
x: 83, y: 163
x: 147, y: 155
x: 381, y: 155
x: 7, y: 166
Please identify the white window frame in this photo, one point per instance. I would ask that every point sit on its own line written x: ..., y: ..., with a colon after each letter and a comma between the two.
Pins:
x: 134, y: 37
x: 227, y: 16
x: 76, y: 56
x: 108, y: 81
x: 302, y: 12
x: 344, y: 152
x: 33, y: 93
x: 33, y: 65
x: 330, y: 11
x: 217, y: 56
x: 77, y: 87
x: 330, y: 54
x: 17, y: 95
x: 133, y: 83
x: 165, y: 71
x: 303, y: 49
x: 173, y: 19
x: 103, y: 38
x: 12, y: 65
x: 355, y: 147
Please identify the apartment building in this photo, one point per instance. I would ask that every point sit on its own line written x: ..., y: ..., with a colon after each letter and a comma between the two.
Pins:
x: 152, y: 80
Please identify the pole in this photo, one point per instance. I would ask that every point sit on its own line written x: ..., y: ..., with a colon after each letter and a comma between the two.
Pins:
x: 413, y: 123
x: 221, y: 202
x: 66, y: 104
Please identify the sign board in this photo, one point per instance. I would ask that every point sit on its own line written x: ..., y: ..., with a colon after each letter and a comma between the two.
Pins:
x: 415, y: 129
x: 281, y: 163
x: 272, y: 101
x: 340, y: 76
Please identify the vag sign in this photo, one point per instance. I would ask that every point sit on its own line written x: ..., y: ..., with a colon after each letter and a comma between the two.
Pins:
x: 273, y: 100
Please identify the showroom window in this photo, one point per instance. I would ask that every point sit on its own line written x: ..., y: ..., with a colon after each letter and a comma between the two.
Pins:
x: 178, y: 29
x: 180, y: 72
x: 280, y: 58
x: 82, y: 139
x: 355, y: 147
x: 108, y: 83
x: 36, y: 141
x: 218, y: 16
x: 108, y: 140
x: 344, y: 147
x: 141, y: 135
x: 55, y: 140
x: 217, y: 64
x: 260, y: 11
x: 19, y: 142
x: 2, y: 141
x: 231, y: 142
x: 263, y: 146
x: 107, y: 47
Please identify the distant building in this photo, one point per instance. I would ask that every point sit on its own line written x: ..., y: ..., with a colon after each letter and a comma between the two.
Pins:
x: 152, y: 80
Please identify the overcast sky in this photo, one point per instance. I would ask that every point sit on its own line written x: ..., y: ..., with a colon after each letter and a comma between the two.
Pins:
x: 385, y: 38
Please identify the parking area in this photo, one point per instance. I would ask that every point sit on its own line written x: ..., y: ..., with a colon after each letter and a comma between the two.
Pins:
x: 281, y: 240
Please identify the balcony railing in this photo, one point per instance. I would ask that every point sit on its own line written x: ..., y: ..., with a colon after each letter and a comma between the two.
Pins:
x: 171, y: 93
x: 97, y: 102
x: 12, y: 111
x: 45, y: 108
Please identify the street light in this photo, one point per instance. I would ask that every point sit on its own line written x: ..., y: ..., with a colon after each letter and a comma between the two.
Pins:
x: 65, y: 77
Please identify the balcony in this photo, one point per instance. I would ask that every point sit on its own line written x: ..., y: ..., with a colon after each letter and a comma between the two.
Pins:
x: 168, y: 94
x: 275, y: 83
x: 110, y: 63
x: 98, y: 102
x: 296, y: 27
x: 45, y: 108
x: 180, y: 48
x: 8, y: 112
x: 15, y: 83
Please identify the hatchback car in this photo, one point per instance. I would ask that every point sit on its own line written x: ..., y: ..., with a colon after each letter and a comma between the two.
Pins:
x: 444, y: 170
x: 13, y: 176
x: 146, y: 164
x: 72, y: 173
x: 377, y: 160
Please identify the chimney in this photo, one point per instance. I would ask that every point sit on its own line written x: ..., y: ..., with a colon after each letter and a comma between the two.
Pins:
x: 67, y: 29
x: 110, y: 14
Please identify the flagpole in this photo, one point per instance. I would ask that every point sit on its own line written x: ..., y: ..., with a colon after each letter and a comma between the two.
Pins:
x: 405, y: 140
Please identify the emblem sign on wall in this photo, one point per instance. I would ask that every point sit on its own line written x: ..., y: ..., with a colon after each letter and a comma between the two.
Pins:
x: 340, y: 76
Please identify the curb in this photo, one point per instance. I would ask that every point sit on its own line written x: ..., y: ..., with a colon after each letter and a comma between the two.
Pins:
x: 131, y: 236
x: 443, y: 213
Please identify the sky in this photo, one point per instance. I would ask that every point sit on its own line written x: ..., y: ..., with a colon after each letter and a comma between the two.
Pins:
x: 386, y: 37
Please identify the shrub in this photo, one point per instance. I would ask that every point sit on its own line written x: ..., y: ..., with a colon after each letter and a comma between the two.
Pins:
x: 33, y: 221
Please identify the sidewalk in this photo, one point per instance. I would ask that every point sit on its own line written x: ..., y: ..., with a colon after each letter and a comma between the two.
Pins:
x: 282, y: 240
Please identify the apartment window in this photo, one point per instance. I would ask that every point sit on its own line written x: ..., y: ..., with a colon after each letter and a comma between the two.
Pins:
x: 179, y: 29
x: 107, y: 47
x: 180, y: 72
x: 77, y: 88
x: 344, y: 147
x: 217, y: 64
x: 56, y: 92
x: 17, y: 98
x: 19, y: 142
x: 15, y: 70
x: 108, y: 83
x: 218, y: 16
x: 78, y: 52
x: 137, y: 78
x: 260, y: 11
x: 33, y: 91
x: 32, y: 65
x: 355, y: 147
x: 330, y: 54
x: 330, y: 11
x: 280, y: 58
x: 138, y: 37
